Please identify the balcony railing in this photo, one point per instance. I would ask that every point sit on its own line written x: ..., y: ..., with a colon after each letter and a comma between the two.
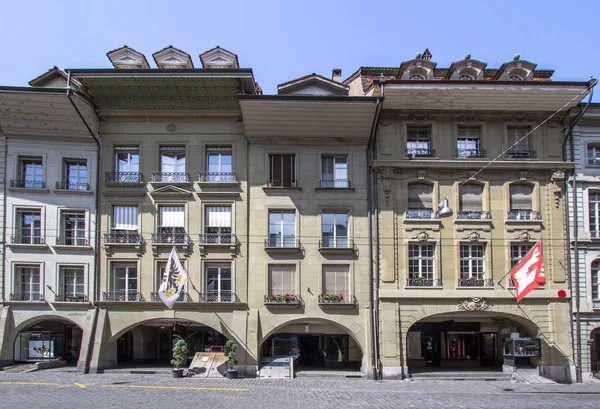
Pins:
x: 183, y: 297
x: 71, y: 298
x: 72, y: 241
x: 521, y: 154
x: 475, y: 282
x: 281, y: 183
x: 420, y: 153
x: 282, y: 242
x: 170, y: 238
x: 423, y: 282
x: 27, y: 184
x: 122, y: 295
x: 419, y: 214
x: 336, y: 243
x: 470, y: 153
x: 122, y: 238
x: 524, y: 215
x: 170, y: 177
x: 72, y: 186
x: 473, y: 214
x: 336, y: 184
x: 217, y: 177
x: 336, y: 299
x: 123, y: 177
x: 593, y: 161
x: 283, y: 299
x: 218, y: 297
x: 596, y: 304
x: 217, y: 238
x: 31, y: 297
x: 26, y: 239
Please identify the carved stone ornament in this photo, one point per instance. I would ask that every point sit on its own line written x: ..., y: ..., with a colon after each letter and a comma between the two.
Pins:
x: 474, y: 304
x: 387, y: 172
x: 422, y: 236
x: 473, y: 236
x: 519, y: 119
x: 522, y: 175
x: 473, y: 175
x: 171, y: 127
x: 419, y: 118
x: 523, y: 236
x: 558, y: 176
x: 470, y: 118
x: 387, y: 175
x: 421, y: 174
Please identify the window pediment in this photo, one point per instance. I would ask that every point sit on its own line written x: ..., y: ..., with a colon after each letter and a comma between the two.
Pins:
x: 516, y: 70
x: 127, y: 58
x: 219, y: 58
x: 171, y: 57
x: 466, y: 68
x: 170, y: 191
x: 416, y: 69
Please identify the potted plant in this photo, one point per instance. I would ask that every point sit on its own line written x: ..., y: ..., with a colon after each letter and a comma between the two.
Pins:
x: 180, y: 355
x: 230, y: 353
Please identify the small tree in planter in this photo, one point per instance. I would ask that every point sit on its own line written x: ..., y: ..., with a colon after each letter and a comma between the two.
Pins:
x: 230, y: 353
x: 180, y: 355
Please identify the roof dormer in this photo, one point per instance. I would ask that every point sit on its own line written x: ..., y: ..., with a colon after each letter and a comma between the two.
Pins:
x: 171, y: 57
x: 219, y: 58
x: 127, y: 58
x: 53, y: 78
x: 466, y: 70
x: 516, y: 70
x: 314, y: 84
x: 419, y: 68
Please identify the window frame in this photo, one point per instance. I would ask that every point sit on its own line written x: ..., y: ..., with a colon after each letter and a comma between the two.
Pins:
x: 419, y: 140
x: 595, y: 146
x: 160, y: 228
x: 282, y: 240
x: 294, y: 281
x: 347, y: 292
x: 221, y: 294
x: 293, y: 181
x: 130, y: 150
x: 419, y: 212
x: 62, y: 281
x: 216, y: 150
x: 470, y: 263
x: 78, y: 240
x: 18, y: 282
x: 37, y: 182
x: 595, y: 280
x: 127, y: 266
x: 79, y: 184
x: 337, y: 240
x: 334, y: 181
x: 19, y: 226
x: 593, y: 213
x: 176, y: 151
x: 113, y: 220
x: 421, y: 262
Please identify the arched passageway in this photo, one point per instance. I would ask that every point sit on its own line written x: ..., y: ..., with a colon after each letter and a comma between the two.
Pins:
x: 48, y: 339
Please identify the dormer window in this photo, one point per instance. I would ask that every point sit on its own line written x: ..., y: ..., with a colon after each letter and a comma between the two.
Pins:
x: 418, y: 77
x: 466, y: 77
x: 515, y: 78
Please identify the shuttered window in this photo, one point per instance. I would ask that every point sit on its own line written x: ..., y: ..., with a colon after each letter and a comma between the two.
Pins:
x: 515, y: 133
x: 171, y: 216
x: 420, y: 196
x: 520, y: 197
x: 282, y: 279
x: 471, y: 196
x: 125, y: 218
x: 218, y: 216
x: 336, y: 280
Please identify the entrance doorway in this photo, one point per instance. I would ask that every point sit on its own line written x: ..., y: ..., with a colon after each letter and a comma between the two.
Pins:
x: 48, y: 340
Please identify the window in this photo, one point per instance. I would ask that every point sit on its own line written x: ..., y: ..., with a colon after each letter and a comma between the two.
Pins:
x: 125, y: 283
x: 282, y: 279
x: 515, y: 77
x: 594, y: 208
x: 73, y: 229
x: 72, y: 283
x: 282, y: 228
x: 466, y: 77
x: 335, y: 172
x: 218, y: 225
x: 334, y: 228
x: 75, y: 174
x: 125, y: 218
x: 27, y: 283
x: 593, y: 154
x: 127, y: 159
x: 467, y: 143
x: 418, y: 141
x: 218, y: 282
x: 420, y: 261
x: 520, y: 202
x: 420, y: 201
x: 172, y: 163
x: 30, y: 172
x: 596, y: 280
x: 336, y: 280
x: 472, y: 262
x: 417, y: 77
x: 470, y: 201
x: 517, y: 252
x: 29, y: 227
x: 282, y: 170
x: 219, y: 164
x: 171, y: 224
x: 521, y: 148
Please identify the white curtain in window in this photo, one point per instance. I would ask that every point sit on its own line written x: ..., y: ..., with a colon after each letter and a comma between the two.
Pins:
x: 282, y: 279
x: 171, y: 216
x: 125, y: 217
x: 335, y: 280
x: 520, y: 197
x: 471, y: 198
x: 218, y: 216
x: 515, y: 133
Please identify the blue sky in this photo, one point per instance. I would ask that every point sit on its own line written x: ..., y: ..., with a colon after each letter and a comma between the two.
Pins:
x: 282, y: 40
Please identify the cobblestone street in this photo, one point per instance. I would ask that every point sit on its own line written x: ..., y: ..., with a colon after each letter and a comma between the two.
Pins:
x: 55, y: 389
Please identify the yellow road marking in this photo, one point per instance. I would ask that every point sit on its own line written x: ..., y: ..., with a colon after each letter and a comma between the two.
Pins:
x: 182, y: 388
x: 79, y: 384
x: 29, y: 383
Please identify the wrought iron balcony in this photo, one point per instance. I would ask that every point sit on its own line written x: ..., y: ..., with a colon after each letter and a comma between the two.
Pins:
x: 218, y: 297
x: 423, y: 282
x: 419, y: 214
x: 183, y: 297
x: 217, y: 177
x: 420, y: 153
x: 27, y: 184
x: 217, y: 238
x: 475, y: 282
x: 170, y: 238
x: 31, y: 297
x: 337, y: 299
x: 123, y: 177
x: 72, y: 241
x: 170, y: 177
x: 71, y: 298
x: 72, y: 186
x: 122, y: 295
x: 524, y: 215
x: 27, y: 239
x: 521, y: 154
x: 336, y: 184
x: 470, y: 153
x: 593, y: 161
x: 473, y: 214
x: 283, y: 299
x: 122, y: 238
x: 336, y: 243
x: 280, y: 183
x: 282, y: 242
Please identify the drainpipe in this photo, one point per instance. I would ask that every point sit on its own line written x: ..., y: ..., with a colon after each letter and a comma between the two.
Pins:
x: 96, y: 223
x: 248, y: 254
x: 4, y: 223
x: 569, y: 137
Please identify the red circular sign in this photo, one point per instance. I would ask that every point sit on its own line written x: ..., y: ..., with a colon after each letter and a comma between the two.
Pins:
x: 562, y: 293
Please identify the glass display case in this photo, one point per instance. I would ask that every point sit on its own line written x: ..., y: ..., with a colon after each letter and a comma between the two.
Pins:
x: 523, y: 347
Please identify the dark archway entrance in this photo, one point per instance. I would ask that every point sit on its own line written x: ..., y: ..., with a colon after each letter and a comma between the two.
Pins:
x: 49, y: 340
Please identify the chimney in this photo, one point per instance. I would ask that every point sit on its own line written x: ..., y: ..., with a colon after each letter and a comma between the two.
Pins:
x: 336, y: 75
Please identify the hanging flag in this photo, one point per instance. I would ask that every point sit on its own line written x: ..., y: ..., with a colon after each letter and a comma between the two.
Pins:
x: 173, y: 281
x: 529, y: 273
